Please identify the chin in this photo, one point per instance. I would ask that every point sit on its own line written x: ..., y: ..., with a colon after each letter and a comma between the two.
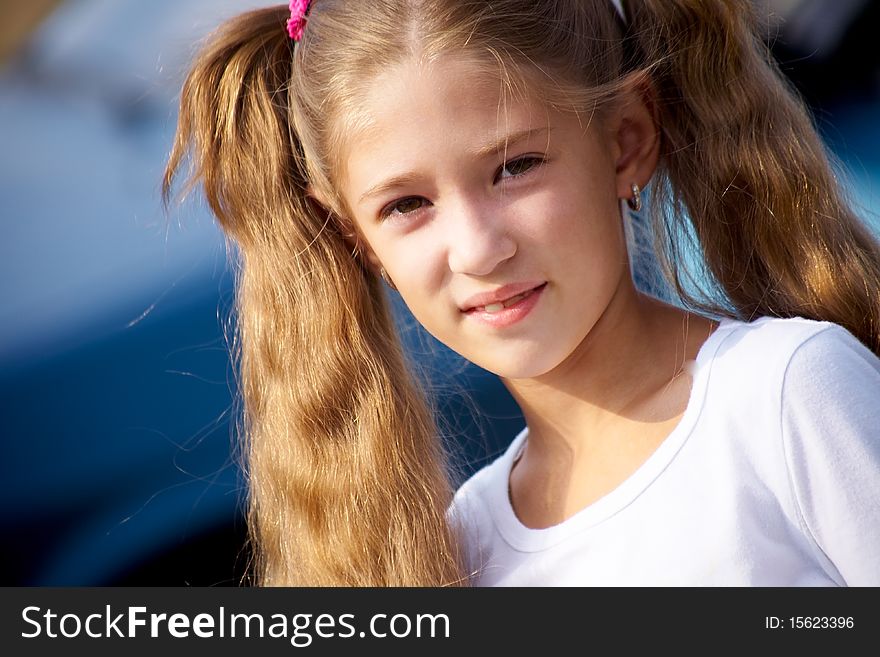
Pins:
x: 517, y: 365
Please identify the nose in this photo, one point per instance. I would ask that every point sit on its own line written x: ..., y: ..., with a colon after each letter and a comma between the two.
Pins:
x: 478, y: 239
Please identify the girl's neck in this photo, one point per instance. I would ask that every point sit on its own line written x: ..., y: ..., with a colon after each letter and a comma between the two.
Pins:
x: 625, y: 372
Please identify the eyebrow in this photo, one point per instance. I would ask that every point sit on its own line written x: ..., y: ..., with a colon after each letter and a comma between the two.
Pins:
x: 501, y: 144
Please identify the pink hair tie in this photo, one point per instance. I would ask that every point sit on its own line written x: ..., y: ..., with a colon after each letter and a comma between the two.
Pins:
x: 297, y: 21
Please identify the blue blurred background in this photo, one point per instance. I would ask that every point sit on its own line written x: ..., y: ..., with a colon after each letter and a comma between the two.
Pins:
x: 117, y: 462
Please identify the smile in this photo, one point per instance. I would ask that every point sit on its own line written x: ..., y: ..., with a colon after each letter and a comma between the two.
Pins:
x: 507, y: 303
x: 506, y: 311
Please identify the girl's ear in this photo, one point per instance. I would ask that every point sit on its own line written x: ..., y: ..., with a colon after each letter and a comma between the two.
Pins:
x: 363, y: 251
x: 635, y: 137
x: 356, y: 244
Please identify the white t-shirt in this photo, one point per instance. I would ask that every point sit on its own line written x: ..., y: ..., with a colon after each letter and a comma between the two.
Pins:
x: 771, y: 478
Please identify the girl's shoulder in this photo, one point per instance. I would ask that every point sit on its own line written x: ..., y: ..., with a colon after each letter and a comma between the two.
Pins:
x: 769, y: 365
x: 779, y: 330
x: 769, y: 345
x: 822, y: 403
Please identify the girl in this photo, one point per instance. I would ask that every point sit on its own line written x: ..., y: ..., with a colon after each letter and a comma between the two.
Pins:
x: 474, y: 155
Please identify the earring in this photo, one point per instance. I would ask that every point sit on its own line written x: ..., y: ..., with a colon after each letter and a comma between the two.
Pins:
x: 635, y: 203
x: 387, y: 278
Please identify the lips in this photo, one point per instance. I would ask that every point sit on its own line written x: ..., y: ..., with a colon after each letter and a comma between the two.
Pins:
x: 501, y: 298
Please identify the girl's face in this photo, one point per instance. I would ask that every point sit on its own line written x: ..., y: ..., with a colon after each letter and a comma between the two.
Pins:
x: 496, y: 218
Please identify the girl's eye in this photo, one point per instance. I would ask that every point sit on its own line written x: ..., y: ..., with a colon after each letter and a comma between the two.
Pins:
x: 518, y: 167
x: 403, y: 206
x: 511, y: 169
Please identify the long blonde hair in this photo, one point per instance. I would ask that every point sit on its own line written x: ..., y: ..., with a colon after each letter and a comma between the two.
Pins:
x: 348, y: 480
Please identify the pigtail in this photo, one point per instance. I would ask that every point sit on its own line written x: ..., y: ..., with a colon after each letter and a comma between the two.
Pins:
x: 742, y: 162
x: 347, y: 478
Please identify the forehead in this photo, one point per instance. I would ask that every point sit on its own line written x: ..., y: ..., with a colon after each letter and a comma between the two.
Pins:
x: 416, y: 115
x: 412, y: 102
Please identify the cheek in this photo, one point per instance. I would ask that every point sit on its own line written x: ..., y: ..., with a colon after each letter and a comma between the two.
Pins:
x: 575, y: 226
x: 417, y: 268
